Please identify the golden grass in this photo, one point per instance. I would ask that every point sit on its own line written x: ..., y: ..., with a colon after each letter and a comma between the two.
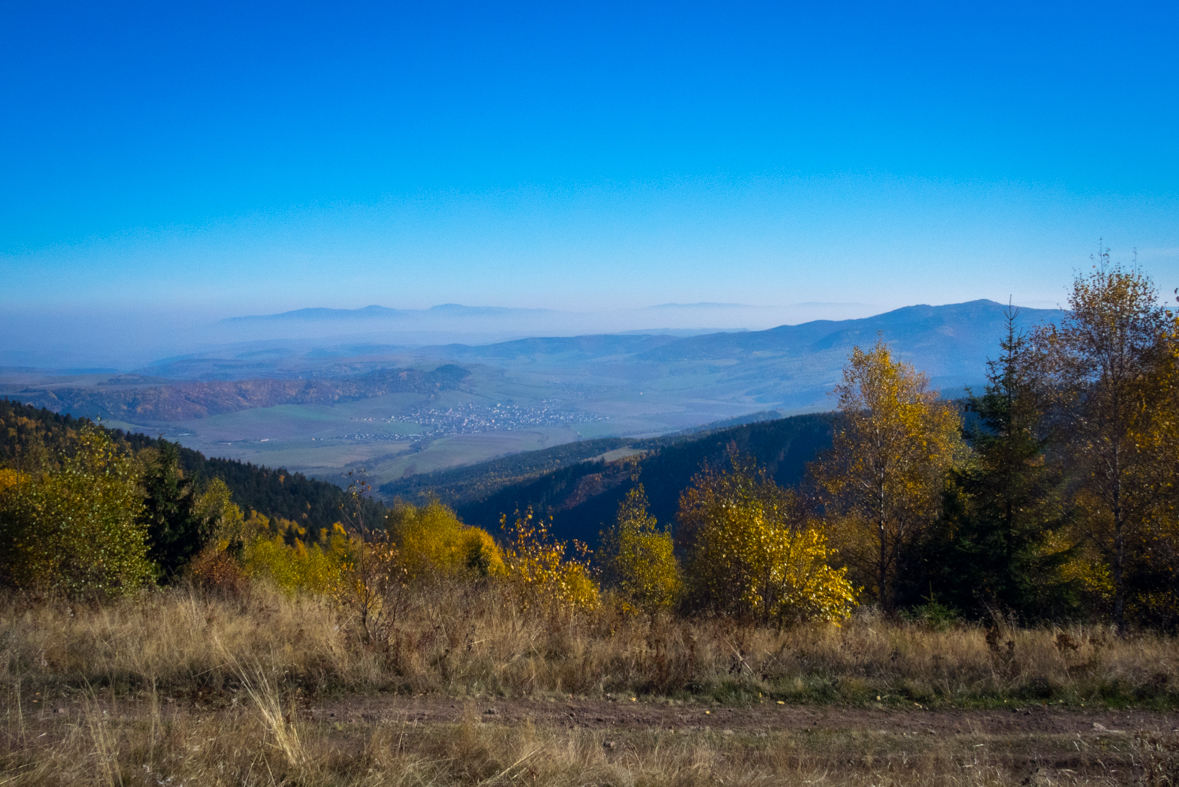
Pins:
x: 180, y: 688
x: 472, y: 640
x: 111, y: 744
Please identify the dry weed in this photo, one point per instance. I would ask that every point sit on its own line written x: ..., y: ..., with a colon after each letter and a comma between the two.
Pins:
x: 460, y: 640
x: 235, y: 746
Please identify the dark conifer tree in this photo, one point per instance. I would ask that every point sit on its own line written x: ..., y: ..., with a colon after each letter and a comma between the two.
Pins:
x: 175, y: 532
x: 1003, y: 507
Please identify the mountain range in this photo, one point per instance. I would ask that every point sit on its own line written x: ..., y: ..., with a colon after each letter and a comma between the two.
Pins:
x: 320, y: 407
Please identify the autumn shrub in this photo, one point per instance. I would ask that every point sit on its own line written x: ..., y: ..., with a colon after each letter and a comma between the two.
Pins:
x: 217, y: 571
x: 542, y: 570
x: 72, y: 528
x: 278, y: 554
x: 433, y: 541
x: 639, y: 558
x: 753, y: 555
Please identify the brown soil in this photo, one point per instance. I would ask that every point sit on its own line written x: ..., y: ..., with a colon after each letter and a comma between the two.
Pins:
x: 765, y: 717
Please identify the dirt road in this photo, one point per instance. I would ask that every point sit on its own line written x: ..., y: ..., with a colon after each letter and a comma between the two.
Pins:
x: 764, y: 717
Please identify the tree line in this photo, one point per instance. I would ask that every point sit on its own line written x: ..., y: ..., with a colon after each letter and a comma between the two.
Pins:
x: 1047, y: 496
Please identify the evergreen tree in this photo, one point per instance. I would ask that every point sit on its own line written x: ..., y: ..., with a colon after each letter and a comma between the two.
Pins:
x: 176, y: 533
x: 1003, y: 508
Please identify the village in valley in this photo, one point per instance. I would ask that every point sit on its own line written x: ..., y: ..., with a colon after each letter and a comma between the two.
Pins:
x: 471, y: 418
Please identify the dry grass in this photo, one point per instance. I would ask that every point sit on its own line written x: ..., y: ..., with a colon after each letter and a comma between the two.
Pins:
x: 177, y: 687
x: 473, y: 641
x: 111, y: 745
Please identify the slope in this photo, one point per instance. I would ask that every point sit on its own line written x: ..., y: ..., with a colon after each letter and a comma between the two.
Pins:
x: 273, y: 492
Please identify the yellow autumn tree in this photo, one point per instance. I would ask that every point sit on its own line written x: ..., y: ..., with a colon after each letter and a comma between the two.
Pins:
x: 224, y: 519
x: 881, y: 482
x: 1114, y: 406
x: 639, y: 557
x: 752, y: 553
x: 276, y: 551
x: 433, y: 541
x: 72, y: 528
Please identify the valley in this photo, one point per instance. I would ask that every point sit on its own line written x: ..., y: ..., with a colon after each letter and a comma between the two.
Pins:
x: 326, y: 407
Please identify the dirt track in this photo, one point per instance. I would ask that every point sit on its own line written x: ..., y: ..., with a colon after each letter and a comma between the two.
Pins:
x: 764, y: 717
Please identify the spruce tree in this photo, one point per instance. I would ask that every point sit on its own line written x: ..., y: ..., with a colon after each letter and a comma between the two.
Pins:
x: 1004, y: 507
x: 176, y: 533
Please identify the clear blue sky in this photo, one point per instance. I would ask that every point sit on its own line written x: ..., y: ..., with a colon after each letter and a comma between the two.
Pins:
x: 247, y: 158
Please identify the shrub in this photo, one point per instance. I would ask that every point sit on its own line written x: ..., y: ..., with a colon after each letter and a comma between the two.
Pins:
x: 753, y: 555
x: 541, y: 571
x: 639, y: 558
x: 74, y: 528
x: 279, y: 554
x: 433, y: 541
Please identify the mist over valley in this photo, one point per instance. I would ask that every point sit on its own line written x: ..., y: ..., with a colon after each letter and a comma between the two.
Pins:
x: 316, y: 404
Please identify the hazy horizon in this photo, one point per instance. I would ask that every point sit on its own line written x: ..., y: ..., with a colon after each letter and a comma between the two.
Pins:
x: 166, y: 167
x: 127, y: 341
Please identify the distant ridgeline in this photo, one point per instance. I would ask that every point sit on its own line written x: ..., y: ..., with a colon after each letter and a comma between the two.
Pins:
x: 276, y: 493
x: 159, y: 401
x: 580, y: 487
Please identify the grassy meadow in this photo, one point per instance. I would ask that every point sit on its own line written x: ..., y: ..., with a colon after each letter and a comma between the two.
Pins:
x: 180, y: 686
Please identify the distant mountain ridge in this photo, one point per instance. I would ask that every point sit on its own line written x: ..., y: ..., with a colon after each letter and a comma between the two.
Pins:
x: 974, y: 322
x: 665, y: 379
x: 790, y: 366
x: 450, y: 309
x: 384, y: 312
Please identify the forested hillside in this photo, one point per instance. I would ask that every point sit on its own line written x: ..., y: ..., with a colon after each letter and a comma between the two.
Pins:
x: 27, y: 431
x: 476, y: 482
x: 583, y: 496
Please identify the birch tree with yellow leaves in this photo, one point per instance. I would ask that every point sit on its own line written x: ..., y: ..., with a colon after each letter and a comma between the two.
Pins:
x: 881, y: 482
x: 1113, y: 396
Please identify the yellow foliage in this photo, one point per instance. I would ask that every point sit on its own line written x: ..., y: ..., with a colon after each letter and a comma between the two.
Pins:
x: 277, y: 553
x: 882, y: 480
x: 10, y: 478
x: 226, y: 522
x: 543, y: 574
x: 752, y: 554
x: 73, y: 528
x: 639, y: 558
x: 1114, y: 390
x: 432, y: 540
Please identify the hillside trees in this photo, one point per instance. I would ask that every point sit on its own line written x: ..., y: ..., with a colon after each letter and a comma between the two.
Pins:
x: 882, y: 480
x: 1111, y: 374
x: 751, y: 552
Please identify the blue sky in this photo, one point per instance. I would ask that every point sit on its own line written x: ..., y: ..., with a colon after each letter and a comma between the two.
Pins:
x: 237, y: 158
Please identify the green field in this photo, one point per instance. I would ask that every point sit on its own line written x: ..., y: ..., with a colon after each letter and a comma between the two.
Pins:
x: 322, y: 440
